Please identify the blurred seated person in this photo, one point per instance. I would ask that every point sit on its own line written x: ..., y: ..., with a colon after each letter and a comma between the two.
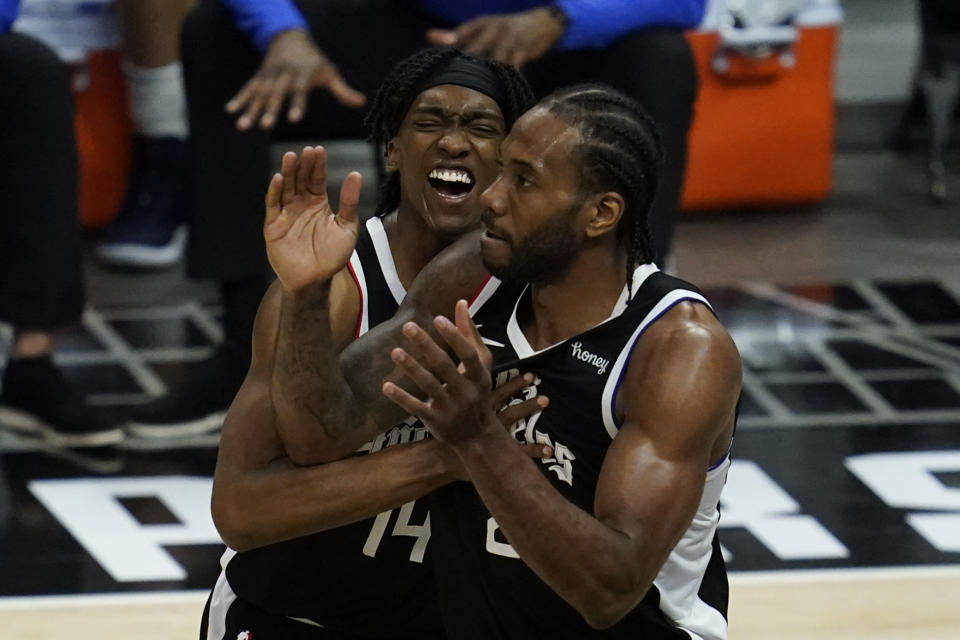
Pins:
x: 259, y: 69
x: 149, y: 230
x: 939, y: 81
x: 41, y: 285
x: 932, y: 114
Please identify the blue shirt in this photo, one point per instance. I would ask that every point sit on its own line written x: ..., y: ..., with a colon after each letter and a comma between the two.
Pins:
x: 592, y: 23
x: 8, y: 13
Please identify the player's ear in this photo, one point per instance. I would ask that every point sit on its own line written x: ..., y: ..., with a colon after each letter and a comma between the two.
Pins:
x: 393, y: 157
x: 606, y: 211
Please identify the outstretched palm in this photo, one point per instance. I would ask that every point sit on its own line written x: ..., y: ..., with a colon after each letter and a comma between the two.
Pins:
x: 306, y: 241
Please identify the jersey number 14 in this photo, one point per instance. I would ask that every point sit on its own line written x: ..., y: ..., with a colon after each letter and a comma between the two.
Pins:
x: 420, y: 532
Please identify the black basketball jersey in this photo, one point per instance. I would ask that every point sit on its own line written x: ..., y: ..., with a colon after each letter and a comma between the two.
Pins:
x: 486, y: 591
x: 369, y: 579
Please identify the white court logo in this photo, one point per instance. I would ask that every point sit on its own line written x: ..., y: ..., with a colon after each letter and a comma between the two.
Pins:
x: 90, y: 509
x: 751, y: 500
x: 907, y: 480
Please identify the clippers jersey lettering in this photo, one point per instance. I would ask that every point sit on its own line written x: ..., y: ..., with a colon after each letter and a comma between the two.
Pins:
x: 369, y: 579
x: 486, y: 591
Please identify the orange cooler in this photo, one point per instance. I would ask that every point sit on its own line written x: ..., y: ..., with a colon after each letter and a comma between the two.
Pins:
x: 762, y: 132
x: 104, y: 138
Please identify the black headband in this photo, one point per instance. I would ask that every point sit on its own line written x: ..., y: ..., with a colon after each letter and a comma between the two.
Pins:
x: 470, y: 73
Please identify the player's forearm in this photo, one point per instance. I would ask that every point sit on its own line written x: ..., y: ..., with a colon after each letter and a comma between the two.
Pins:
x: 312, y: 402
x: 366, y: 364
x: 590, y: 565
x: 290, y: 501
x: 329, y: 403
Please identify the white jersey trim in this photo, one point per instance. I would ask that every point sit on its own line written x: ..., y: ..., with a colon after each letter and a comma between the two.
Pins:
x: 680, y: 577
x: 381, y: 245
x: 486, y: 292
x: 519, y: 341
x: 356, y: 268
x: 616, y: 374
x: 221, y: 599
x: 640, y: 275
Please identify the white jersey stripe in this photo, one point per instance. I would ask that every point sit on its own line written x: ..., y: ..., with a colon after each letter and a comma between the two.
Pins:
x: 486, y: 292
x: 519, y: 341
x: 381, y: 245
x: 220, y: 601
x: 680, y: 576
x: 640, y: 275
x: 515, y: 334
x: 356, y: 268
x: 619, y: 368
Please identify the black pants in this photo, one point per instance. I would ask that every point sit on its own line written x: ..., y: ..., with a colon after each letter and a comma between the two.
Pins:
x: 365, y: 38
x: 940, y: 28
x: 40, y: 276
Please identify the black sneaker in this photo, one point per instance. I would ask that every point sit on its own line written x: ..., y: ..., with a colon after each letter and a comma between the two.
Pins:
x: 197, y: 403
x: 37, y: 399
x: 148, y: 231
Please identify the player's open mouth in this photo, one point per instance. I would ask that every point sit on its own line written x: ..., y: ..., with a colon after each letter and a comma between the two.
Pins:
x: 490, y: 235
x: 452, y: 184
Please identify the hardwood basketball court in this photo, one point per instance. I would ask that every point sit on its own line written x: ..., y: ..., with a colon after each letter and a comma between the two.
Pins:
x: 895, y: 604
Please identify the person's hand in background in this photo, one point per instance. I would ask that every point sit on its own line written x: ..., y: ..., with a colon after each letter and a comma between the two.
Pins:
x: 513, y: 38
x: 292, y: 66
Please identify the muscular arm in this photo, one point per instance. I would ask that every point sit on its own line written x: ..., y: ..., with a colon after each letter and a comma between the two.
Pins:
x: 328, y: 395
x: 310, y: 401
x: 255, y: 476
x: 677, y: 404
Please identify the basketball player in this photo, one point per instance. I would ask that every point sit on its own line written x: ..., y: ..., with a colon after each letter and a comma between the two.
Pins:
x: 441, y: 115
x: 617, y: 531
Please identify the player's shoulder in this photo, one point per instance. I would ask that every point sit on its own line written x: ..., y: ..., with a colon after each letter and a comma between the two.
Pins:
x: 690, y: 324
x: 688, y: 335
x: 686, y: 365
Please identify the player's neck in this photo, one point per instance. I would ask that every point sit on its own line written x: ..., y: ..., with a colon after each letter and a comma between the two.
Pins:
x: 412, y: 243
x: 583, y: 298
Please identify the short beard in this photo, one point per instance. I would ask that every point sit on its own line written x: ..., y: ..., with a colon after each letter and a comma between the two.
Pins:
x: 545, y: 255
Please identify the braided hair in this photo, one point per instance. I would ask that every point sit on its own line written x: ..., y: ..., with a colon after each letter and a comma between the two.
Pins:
x: 395, y: 96
x: 619, y: 150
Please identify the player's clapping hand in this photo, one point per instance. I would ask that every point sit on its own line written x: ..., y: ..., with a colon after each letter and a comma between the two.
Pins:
x: 513, y: 38
x: 292, y: 66
x: 459, y: 403
x: 306, y: 241
x: 508, y: 415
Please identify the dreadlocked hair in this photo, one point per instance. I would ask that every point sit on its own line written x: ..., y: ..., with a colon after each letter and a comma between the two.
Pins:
x: 395, y: 96
x: 619, y: 150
